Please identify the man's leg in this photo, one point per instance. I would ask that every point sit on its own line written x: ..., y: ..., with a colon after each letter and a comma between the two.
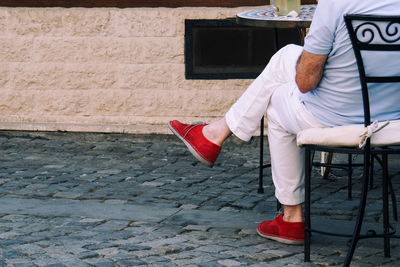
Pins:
x: 217, y: 131
x: 244, y: 116
x: 286, y: 166
x: 286, y: 117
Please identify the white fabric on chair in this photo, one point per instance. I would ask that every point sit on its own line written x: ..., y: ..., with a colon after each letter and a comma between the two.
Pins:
x: 352, y: 135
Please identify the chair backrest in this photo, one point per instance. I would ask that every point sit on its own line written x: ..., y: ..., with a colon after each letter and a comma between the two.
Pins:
x: 374, y: 33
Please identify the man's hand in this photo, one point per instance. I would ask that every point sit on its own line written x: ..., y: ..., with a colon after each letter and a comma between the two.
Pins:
x: 309, y: 70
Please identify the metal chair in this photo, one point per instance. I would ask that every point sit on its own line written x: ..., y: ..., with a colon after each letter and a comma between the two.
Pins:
x: 262, y: 165
x: 372, y: 34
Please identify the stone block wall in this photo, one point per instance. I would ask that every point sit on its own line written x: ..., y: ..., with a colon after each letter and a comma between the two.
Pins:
x: 104, y: 70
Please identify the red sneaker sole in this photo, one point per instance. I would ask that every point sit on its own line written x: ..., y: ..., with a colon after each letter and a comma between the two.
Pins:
x: 282, y: 239
x: 189, y: 146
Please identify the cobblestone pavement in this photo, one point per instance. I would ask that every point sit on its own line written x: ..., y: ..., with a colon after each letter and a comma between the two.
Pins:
x: 73, y: 199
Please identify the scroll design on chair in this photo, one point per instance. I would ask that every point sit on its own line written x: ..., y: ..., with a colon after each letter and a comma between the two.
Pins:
x: 367, y: 32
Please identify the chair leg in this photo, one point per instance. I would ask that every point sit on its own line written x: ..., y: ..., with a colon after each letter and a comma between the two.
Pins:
x: 307, y: 205
x: 394, y: 201
x: 326, y: 157
x: 361, y: 210
x: 278, y: 206
x: 350, y: 177
x: 371, y: 176
x: 392, y: 193
x: 385, y: 198
x: 261, y: 165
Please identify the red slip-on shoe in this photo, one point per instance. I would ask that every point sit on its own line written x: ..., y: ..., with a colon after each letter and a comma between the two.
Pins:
x: 291, y: 233
x: 192, y: 135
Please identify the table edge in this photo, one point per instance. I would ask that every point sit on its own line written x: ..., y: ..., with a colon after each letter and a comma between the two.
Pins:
x: 273, y: 23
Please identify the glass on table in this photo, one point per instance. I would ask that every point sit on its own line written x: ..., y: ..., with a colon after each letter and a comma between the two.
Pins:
x: 284, y: 7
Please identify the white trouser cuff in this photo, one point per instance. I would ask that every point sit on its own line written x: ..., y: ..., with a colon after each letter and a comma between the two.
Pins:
x: 290, y: 198
x: 233, y: 126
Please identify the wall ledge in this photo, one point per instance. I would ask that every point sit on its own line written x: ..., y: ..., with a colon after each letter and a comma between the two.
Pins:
x: 131, y: 3
x: 137, y: 3
x: 93, y: 128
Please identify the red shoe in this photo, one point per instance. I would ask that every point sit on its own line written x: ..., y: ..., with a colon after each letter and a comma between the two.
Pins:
x: 291, y: 233
x: 192, y: 135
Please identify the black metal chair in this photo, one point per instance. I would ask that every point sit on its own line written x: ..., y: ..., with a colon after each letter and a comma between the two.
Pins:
x: 262, y: 165
x: 367, y: 33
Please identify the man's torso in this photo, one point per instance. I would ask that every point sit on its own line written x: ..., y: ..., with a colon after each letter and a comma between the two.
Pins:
x: 337, y: 99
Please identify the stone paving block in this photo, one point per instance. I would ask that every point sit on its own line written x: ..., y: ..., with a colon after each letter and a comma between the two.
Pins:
x: 168, y: 250
x: 376, y: 260
x: 155, y: 260
x: 107, y: 251
x: 211, y: 264
x: 43, y: 260
x: 29, y: 249
x: 130, y: 262
x: 105, y: 264
x: 10, y: 234
x: 99, y: 246
x: 213, y: 248
x: 12, y: 254
x: 112, y: 225
x: 189, y: 207
x: 143, y: 254
x: 280, y: 252
x: 224, y: 230
x: 68, y: 194
x: 87, y: 254
x: 196, y: 228
x: 27, y: 264
x: 76, y: 263
x: 229, y: 263
x: 134, y: 247
x: 153, y: 184
x: 334, y: 260
x: 200, y: 260
x: 125, y: 234
x: 164, y: 241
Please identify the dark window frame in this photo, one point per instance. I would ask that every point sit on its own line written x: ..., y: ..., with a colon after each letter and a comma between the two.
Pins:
x: 196, y: 71
x: 136, y: 3
x: 190, y: 72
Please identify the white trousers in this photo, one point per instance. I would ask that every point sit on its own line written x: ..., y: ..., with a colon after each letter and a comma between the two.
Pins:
x: 275, y: 94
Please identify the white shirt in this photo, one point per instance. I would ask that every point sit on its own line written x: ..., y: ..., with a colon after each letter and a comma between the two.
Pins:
x: 337, y: 99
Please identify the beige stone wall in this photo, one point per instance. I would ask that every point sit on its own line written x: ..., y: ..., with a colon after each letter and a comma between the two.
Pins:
x: 104, y: 69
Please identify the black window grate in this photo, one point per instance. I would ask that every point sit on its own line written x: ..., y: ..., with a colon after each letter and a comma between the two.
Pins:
x: 222, y: 49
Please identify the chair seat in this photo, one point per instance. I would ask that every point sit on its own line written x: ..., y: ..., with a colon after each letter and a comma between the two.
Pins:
x: 349, y: 135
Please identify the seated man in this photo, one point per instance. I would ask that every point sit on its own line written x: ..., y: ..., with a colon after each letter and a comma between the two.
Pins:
x: 301, y: 87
